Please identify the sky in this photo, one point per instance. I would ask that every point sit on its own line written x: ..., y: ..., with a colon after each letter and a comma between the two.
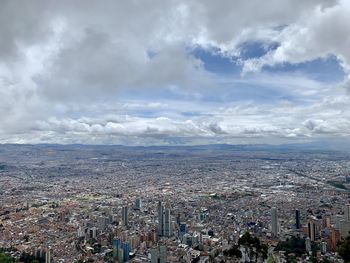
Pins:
x: 174, y: 72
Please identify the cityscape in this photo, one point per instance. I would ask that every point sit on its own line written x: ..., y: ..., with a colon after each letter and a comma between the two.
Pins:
x: 174, y: 131
x: 81, y: 203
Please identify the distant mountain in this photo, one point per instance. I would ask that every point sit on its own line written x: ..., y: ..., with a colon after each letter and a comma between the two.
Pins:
x: 330, y: 145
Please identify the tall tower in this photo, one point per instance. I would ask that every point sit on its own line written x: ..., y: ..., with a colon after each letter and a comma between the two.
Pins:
x: 308, y: 244
x: 274, y: 221
x: 138, y: 203
x: 167, y: 222
x: 347, y: 212
x: 48, y: 255
x: 125, y: 215
x: 311, y: 227
x: 101, y: 223
x: 158, y: 254
x: 164, y: 221
x: 297, y: 219
x: 162, y: 254
x: 344, y: 228
x: 161, y: 219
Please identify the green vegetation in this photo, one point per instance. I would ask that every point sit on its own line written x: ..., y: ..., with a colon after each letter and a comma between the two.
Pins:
x: 329, y: 206
x: 255, y: 249
x: 108, y: 257
x: 293, y: 245
x: 233, y: 252
x: 337, y: 185
x: 344, y: 249
x: 36, y: 205
x: 5, y: 258
x: 28, y: 258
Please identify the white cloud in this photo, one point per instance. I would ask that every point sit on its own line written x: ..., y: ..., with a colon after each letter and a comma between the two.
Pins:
x: 65, y: 66
x: 319, y: 34
x: 282, y: 121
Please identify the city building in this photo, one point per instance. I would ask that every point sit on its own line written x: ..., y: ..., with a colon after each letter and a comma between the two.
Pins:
x: 347, y: 213
x: 312, y: 230
x: 158, y: 254
x: 274, y: 222
x: 125, y: 215
x: 297, y: 219
x: 138, y: 203
x: 308, y: 244
x: 164, y: 221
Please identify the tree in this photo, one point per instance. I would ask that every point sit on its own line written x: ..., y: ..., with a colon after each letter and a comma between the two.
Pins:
x: 6, y: 259
x: 233, y: 252
x: 255, y: 249
x: 344, y: 249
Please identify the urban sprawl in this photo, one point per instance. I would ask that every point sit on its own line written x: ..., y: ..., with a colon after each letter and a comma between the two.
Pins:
x: 173, y: 204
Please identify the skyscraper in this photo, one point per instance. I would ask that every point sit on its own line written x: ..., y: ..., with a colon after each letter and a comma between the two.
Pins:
x: 164, y: 221
x: 158, y: 254
x: 297, y: 219
x: 48, y: 255
x: 323, y: 247
x: 178, y: 219
x: 138, y: 203
x: 334, y: 239
x: 311, y: 228
x: 125, y: 215
x: 93, y: 232
x: 160, y: 219
x: 274, y: 221
x: 162, y: 254
x: 121, y: 250
x: 347, y: 212
x: 182, y: 229
x: 154, y: 255
x: 167, y: 222
x: 344, y: 228
x: 101, y: 222
x: 308, y: 244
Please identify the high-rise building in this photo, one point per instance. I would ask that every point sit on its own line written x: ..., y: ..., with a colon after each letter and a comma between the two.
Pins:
x: 334, y: 238
x: 101, y: 223
x: 162, y: 254
x: 308, y: 244
x: 138, y: 203
x: 158, y: 254
x: 323, y: 247
x: 311, y: 228
x: 120, y: 255
x: 121, y: 250
x: 178, y: 219
x: 154, y: 255
x: 160, y: 219
x: 182, y: 229
x: 274, y: 221
x: 81, y: 232
x: 125, y: 215
x: 48, y: 255
x: 126, y: 251
x: 297, y: 219
x: 93, y: 232
x: 167, y: 222
x: 327, y: 222
x: 164, y: 221
x: 347, y: 212
x: 344, y: 228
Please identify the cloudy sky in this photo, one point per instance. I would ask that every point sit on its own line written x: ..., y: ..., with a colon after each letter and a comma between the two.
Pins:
x: 174, y: 72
